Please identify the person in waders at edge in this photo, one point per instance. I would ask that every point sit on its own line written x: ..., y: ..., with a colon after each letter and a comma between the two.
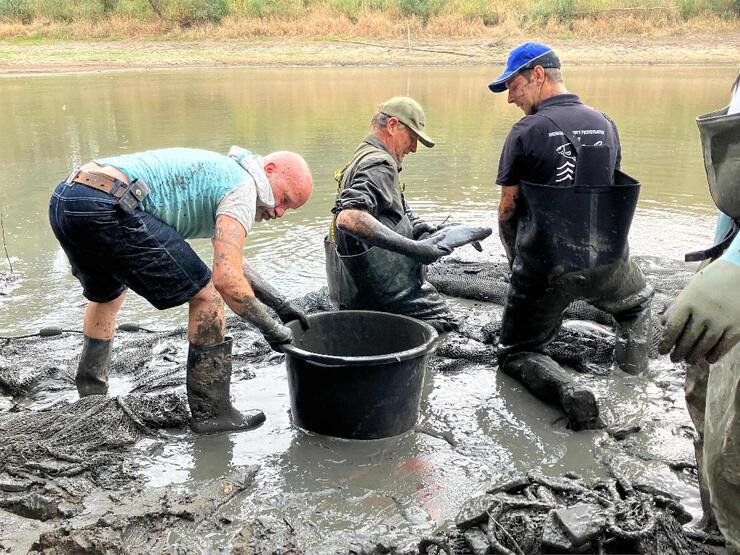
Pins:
x: 122, y: 222
x: 702, y: 327
x: 376, y: 248
x: 564, y: 216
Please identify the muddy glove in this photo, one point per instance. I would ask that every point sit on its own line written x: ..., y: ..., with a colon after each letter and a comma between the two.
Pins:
x: 274, y: 333
x: 289, y: 311
x: 430, y: 249
x: 704, y: 321
x: 286, y: 310
x: 365, y: 227
x: 277, y: 335
x: 421, y: 228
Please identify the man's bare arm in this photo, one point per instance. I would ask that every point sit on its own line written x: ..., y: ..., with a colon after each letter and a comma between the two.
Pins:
x: 364, y: 226
x: 232, y: 284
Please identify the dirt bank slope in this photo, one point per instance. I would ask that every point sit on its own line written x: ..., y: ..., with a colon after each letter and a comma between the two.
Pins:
x: 21, y: 57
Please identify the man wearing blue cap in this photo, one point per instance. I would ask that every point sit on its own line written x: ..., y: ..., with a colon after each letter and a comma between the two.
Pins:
x: 564, y: 217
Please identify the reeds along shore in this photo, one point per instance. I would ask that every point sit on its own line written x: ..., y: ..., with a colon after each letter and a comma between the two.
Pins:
x: 229, y: 19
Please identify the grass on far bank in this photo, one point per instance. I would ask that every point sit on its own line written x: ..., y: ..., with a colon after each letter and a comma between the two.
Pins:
x: 31, y: 20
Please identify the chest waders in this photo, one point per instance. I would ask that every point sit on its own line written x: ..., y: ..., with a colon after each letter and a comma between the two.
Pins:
x: 572, y: 243
x: 379, y: 279
x: 720, y: 142
x: 714, y: 393
x: 576, y: 227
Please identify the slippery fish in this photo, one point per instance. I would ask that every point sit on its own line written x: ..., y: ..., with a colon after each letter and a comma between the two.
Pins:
x: 458, y: 235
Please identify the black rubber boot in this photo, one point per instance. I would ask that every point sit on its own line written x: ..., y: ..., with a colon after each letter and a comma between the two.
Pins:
x: 208, y: 384
x: 546, y: 380
x: 92, y: 370
x: 633, y: 336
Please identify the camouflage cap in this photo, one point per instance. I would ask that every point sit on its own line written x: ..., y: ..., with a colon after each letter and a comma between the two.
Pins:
x: 409, y: 112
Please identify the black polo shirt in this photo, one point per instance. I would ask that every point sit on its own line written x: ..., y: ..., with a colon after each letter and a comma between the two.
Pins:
x: 537, y: 151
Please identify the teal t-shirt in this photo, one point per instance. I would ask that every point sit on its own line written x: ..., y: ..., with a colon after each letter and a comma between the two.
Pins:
x: 186, y: 185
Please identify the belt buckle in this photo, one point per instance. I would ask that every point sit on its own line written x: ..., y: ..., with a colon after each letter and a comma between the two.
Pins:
x: 72, y: 175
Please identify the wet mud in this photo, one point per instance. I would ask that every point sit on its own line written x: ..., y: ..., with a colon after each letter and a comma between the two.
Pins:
x: 123, y: 474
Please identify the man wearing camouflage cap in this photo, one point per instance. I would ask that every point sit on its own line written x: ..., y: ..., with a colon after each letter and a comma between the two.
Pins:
x: 374, y: 251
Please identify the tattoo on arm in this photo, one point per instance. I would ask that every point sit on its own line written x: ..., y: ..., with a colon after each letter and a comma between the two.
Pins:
x: 364, y: 226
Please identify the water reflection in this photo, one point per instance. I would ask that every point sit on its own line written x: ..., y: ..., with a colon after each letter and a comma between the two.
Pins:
x: 54, y: 122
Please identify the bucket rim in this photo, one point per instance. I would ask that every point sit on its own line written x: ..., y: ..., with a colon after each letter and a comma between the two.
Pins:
x: 368, y: 360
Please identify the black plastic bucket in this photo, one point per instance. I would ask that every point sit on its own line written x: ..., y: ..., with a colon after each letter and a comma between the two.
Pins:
x: 357, y: 374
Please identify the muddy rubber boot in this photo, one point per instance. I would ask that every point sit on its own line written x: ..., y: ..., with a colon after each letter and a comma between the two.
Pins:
x: 632, y: 347
x: 208, y: 385
x: 580, y: 406
x: 92, y: 370
x: 546, y: 380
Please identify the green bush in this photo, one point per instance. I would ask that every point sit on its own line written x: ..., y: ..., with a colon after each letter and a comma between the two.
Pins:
x: 484, y: 9
x: 350, y: 8
x: 686, y: 8
x: 17, y: 10
x: 423, y: 9
x: 266, y: 8
x: 728, y: 9
x: 66, y: 10
x: 139, y: 9
x: 190, y: 12
x: 545, y: 10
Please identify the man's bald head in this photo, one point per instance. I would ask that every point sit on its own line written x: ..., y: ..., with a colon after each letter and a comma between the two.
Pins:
x: 290, y: 179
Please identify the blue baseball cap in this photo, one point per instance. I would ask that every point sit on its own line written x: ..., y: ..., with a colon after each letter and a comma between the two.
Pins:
x: 526, y: 56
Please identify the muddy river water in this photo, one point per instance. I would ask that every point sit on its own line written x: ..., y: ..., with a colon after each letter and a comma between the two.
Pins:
x: 338, y: 492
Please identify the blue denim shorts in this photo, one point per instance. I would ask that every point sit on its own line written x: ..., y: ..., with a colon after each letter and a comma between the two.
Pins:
x: 110, y: 250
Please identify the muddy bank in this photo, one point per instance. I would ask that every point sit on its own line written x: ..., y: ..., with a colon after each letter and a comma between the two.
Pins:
x: 49, y: 56
x: 123, y: 474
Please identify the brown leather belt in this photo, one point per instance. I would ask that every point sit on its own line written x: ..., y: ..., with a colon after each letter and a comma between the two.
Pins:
x: 101, y: 182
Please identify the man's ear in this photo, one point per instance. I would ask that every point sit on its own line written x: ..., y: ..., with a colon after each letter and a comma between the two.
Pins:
x: 539, y: 73
x: 270, y: 167
x: 392, y: 124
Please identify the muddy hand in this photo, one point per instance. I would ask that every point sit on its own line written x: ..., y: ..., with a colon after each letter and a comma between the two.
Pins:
x: 430, y: 250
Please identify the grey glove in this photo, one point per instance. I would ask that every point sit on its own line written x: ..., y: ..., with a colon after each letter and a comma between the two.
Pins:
x: 286, y: 310
x: 430, y: 249
x: 289, y: 311
x: 421, y: 228
x: 274, y: 332
x: 277, y: 335
x: 704, y: 321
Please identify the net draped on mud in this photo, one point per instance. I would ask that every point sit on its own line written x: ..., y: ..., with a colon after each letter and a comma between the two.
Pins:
x: 153, y: 362
x: 58, y: 440
x: 538, y: 514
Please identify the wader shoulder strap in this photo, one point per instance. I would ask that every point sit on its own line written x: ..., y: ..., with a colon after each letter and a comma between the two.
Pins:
x: 717, y: 250
x: 365, y: 150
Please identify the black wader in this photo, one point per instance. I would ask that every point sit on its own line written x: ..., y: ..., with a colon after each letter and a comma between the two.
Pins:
x: 572, y: 244
x: 379, y: 279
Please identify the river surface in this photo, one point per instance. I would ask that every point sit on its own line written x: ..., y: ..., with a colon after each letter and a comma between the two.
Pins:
x: 51, y: 123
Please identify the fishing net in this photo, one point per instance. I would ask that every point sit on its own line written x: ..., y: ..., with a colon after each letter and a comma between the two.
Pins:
x: 583, y: 348
x: 88, y: 437
x: 537, y: 514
